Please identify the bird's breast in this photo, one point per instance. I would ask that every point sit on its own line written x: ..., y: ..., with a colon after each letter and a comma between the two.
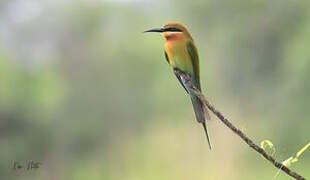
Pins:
x: 178, y: 56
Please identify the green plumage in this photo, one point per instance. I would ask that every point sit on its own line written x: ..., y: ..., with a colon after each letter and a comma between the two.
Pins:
x: 200, y: 112
x: 181, y: 54
x: 192, y: 51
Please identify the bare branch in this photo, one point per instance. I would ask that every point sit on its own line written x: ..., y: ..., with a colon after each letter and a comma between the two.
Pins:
x: 279, y: 165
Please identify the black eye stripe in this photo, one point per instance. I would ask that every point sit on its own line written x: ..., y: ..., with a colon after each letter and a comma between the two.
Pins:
x: 172, y: 30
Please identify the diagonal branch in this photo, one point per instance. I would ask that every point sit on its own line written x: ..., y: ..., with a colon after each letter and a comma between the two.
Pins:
x: 244, y: 137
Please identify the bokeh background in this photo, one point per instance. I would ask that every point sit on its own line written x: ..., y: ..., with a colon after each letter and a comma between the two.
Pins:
x: 86, y: 94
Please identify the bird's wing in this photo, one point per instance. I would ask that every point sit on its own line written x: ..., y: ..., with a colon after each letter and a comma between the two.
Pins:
x: 167, y: 58
x: 193, y: 53
x: 180, y: 78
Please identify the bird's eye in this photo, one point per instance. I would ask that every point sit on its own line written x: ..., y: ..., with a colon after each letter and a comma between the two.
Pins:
x: 172, y: 29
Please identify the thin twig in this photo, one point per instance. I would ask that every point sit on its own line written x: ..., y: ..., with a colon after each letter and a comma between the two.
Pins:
x: 279, y: 165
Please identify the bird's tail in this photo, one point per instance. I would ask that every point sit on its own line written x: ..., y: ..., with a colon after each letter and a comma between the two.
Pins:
x: 202, y: 114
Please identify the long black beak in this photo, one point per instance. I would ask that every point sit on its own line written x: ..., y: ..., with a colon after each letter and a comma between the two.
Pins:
x: 160, y: 30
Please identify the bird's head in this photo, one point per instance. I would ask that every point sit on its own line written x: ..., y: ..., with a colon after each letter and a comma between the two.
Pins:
x: 172, y: 31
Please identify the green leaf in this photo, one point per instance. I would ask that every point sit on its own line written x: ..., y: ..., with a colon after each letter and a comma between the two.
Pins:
x: 292, y: 159
x: 302, y: 150
x: 268, y: 144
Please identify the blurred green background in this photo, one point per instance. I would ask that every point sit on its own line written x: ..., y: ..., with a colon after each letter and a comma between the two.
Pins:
x: 85, y: 93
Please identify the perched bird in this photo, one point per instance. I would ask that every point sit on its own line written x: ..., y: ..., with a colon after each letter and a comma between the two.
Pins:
x: 181, y: 54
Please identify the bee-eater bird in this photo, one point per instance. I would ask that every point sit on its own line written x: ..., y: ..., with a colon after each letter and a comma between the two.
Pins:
x: 181, y: 54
